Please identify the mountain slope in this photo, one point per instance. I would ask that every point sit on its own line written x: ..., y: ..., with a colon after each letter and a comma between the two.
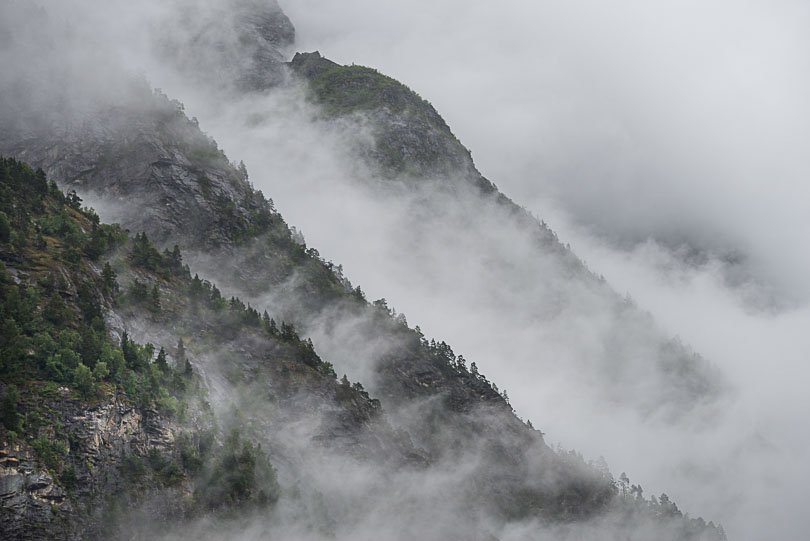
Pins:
x: 426, y: 178
x: 239, y: 355
x: 448, y: 441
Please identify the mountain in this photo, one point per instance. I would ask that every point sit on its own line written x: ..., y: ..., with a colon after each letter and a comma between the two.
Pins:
x: 140, y: 392
x: 417, y: 161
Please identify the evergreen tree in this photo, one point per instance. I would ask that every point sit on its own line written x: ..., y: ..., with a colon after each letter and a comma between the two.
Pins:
x: 188, y: 370
x: 56, y: 311
x: 176, y: 258
x: 83, y: 377
x: 9, y: 410
x: 5, y: 228
x: 108, y: 278
x: 154, y: 300
x: 161, y: 361
x: 181, y: 350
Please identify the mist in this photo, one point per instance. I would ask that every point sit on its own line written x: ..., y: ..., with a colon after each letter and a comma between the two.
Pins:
x: 683, y: 121
x: 642, y: 136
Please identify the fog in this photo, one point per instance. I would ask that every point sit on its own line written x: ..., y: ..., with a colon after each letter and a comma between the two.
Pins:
x: 662, y: 142
x: 633, y: 129
x: 682, y: 120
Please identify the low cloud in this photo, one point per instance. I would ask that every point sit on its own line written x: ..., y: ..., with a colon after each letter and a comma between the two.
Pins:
x: 682, y: 124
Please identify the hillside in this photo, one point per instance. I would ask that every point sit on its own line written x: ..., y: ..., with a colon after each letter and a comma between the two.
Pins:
x: 239, y: 354
x: 135, y: 377
x: 90, y: 387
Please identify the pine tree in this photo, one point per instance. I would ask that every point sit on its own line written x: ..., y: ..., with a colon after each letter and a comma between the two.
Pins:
x: 266, y: 321
x: 108, y: 277
x: 176, y: 258
x: 5, y: 228
x: 9, y: 413
x: 161, y: 361
x: 154, y: 300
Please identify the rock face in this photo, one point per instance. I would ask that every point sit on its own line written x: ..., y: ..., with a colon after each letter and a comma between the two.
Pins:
x: 90, y: 448
x: 244, y: 43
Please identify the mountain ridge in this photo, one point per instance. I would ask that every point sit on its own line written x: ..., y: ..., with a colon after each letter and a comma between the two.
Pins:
x: 178, y: 180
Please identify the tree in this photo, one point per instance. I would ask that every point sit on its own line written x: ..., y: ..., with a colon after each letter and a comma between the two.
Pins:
x: 12, y: 346
x: 101, y: 371
x: 108, y: 278
x: 56, y: 311
x: 154, y: 300
x: 242, y: 170
x: 73, y: 200
x: 461, y: 363
x: 9, y: 409
x: 624, y: 482
x: 5, y: 228
x: 113, y: 359
x: 40, y: 184
x: 196, y: 289
x: 288, y: 331
x: 132, y: 355
x: 83, y: 378
x: 266, y: 321
x: 161, y: 362
x: 176, y: 258
x: 138, y: 291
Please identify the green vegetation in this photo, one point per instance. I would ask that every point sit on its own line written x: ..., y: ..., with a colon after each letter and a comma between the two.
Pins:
x: 631, y: 504
x: 346, y: 89
x: 54, y: 343
x: 415, y: 142
x: 239, y: 475
x: 52, y: 327
x: 9, y: 410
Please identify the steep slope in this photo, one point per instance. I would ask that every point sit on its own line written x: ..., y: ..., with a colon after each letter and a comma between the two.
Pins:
x: 430, y: 183
x: 240, y: 355
x: 90, y: 417
x: 449, y: 411
x: 150, y: 168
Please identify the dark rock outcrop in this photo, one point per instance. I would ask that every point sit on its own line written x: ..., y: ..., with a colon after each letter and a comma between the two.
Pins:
x: 238, y: 44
